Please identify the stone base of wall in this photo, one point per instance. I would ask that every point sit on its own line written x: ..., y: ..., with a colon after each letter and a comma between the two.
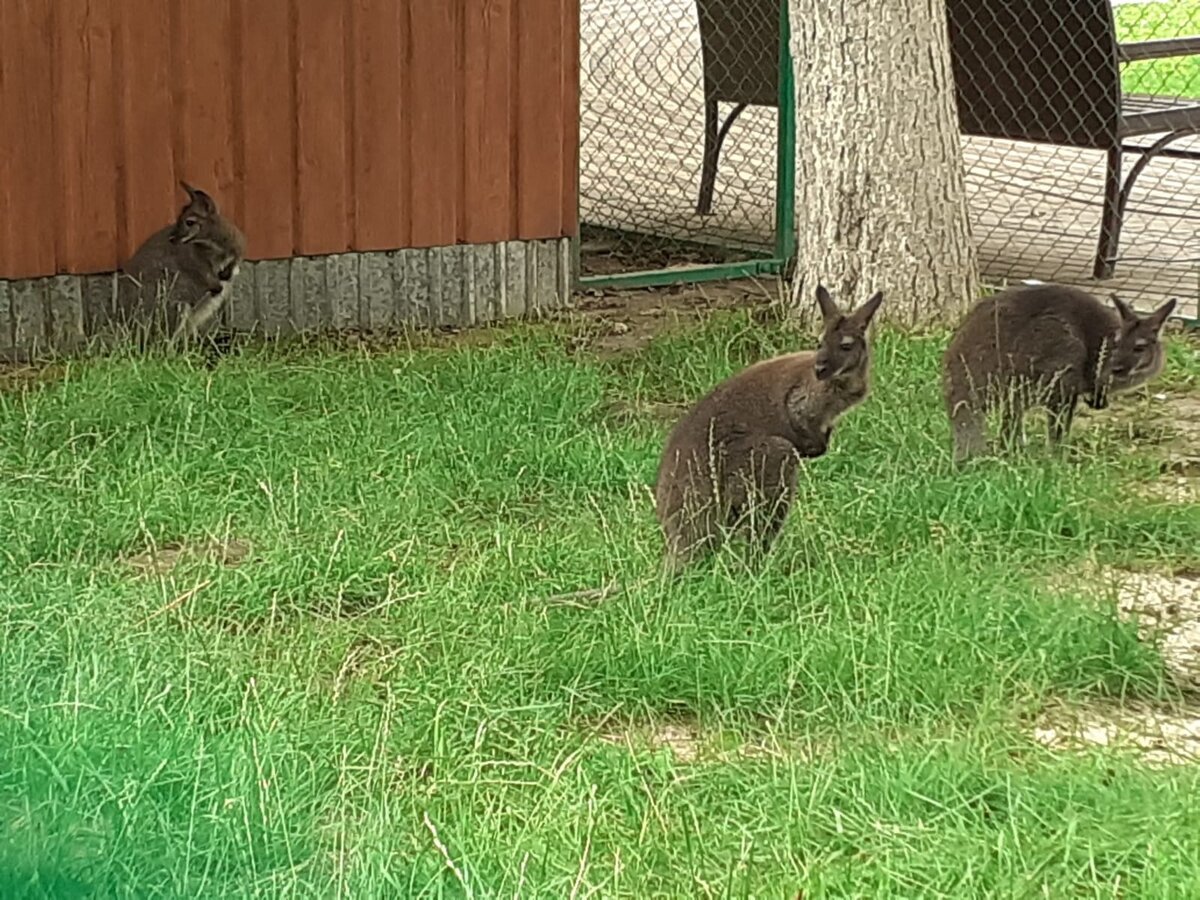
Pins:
x: 461, y: 286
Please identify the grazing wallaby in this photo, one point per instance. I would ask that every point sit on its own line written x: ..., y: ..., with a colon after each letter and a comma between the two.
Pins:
x: 176, y: 282
x: 1043, y: 345
x: 731, y: 462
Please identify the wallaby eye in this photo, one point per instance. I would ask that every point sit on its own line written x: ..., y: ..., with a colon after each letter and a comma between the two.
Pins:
x: 1140, y: 344
x: 847, y: 343
x: 191, y: 221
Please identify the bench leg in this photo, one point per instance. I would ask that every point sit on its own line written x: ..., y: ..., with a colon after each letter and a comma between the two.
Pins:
x: 714, y: 138
x: 708, y: 174
x: 1110, y: 218
x: 1114, y: 218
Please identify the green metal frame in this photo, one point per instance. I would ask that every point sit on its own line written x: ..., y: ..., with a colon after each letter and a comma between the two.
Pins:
x: 785, y: 203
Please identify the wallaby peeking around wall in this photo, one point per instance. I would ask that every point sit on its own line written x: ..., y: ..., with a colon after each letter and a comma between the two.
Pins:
x: 730, y: 464
x: 174, y: 285
x: 1043, y: 345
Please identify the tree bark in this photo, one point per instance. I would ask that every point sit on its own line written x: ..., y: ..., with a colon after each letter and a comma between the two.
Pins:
x: 880, y: 195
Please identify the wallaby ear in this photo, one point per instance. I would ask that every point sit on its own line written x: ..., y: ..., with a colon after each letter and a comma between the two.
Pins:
x: 1124, y: 309
x: 199, y: 200
x: 865, y: 313
x: 1158, y: 318
x: 829, y: 310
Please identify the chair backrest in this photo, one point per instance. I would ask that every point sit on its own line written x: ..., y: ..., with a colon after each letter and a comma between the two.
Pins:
x: 1037, y: 70
x: 739, y: 40
x: 1034, y: 70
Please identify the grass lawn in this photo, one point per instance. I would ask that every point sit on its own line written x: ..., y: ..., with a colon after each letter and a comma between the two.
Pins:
x: 1179, y: 77
x: 379, y: 700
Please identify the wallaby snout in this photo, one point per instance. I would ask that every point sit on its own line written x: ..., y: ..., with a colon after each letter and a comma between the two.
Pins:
x: 821, y: 367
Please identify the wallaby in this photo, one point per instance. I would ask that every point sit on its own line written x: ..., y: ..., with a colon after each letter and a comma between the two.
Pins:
x: 174, y: 285
x: 1043, y: 345
x: 730, y: 464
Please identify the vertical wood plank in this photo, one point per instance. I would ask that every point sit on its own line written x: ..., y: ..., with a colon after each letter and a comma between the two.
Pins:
x: 268, y: 128
x: 204, y: 71
x: 515, y: 265
x: 487, y: 121
x: 64, y: 313
x: 150, y: 196
x: 272, y: 287
x: 98, y: 302
x: 241, y: 307
x: 341, y: 289
x: 376, y: 288
x: 539, y: 119
x: 28, y: 302
x: 417, y: 288
x: 6, y: 322
x: 485, y: 282
x: 311, y: 309
x: 452, y: 309
x: 29, y: 193
x: 320, y: 66
x: 570, y: 121
x: 435, y: 122
x: 87, y: 136
x: 380, y: 146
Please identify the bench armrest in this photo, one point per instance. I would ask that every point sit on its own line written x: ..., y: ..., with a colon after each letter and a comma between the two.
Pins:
x: 1160, y: 49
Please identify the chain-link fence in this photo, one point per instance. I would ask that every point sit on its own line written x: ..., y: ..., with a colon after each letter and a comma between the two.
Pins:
x: 680, y: 152
x: 1078, y: 121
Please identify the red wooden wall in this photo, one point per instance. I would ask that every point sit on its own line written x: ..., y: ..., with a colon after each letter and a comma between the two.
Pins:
x: 320, y: 126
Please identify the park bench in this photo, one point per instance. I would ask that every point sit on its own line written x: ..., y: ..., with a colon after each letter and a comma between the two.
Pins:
x: 1044, y: 71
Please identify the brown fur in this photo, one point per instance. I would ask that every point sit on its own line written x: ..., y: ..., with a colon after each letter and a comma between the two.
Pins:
x: 1043, y: 345
x: 731, y: 462
x: 176, y: 282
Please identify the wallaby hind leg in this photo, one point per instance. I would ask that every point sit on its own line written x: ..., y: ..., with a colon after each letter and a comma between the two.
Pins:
x: 968, y: 428
x: 766, y: 488
x: 691, y: 530
x: 1059, y: 416
x: 1012, y: 424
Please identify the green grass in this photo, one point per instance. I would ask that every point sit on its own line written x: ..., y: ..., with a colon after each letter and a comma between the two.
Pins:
x: 1178, y: 77
x: 385, y: 666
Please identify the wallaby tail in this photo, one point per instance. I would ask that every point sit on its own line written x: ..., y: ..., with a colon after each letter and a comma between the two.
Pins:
x: 968, y: 423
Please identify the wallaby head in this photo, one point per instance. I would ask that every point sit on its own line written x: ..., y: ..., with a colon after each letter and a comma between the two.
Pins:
x: 843, y: 349
x: 212, y: 237
x: 1136, y: 355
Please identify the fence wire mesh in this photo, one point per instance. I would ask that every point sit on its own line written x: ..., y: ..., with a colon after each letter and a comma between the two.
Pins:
x: 659, y: 80
x: 1078, y: 119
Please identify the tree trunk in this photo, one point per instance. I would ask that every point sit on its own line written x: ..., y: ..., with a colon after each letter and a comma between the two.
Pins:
x: 880, y: 197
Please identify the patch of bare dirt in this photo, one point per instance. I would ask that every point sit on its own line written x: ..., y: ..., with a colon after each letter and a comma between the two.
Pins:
x: 621, y: 321
x: 163, y: 560
x: 687, y: 741
x: 1165, y: 607
x: 1169, y: 421
x: 1156, y: 736
x: 626, y: 411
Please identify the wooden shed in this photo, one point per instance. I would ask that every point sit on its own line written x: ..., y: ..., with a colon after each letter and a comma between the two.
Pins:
x: 389, y: 161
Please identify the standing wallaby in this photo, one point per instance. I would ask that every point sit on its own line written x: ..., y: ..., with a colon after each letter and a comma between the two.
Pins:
x: 1043, y: 345
x: 731, y: 462
x: 176, y: 282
